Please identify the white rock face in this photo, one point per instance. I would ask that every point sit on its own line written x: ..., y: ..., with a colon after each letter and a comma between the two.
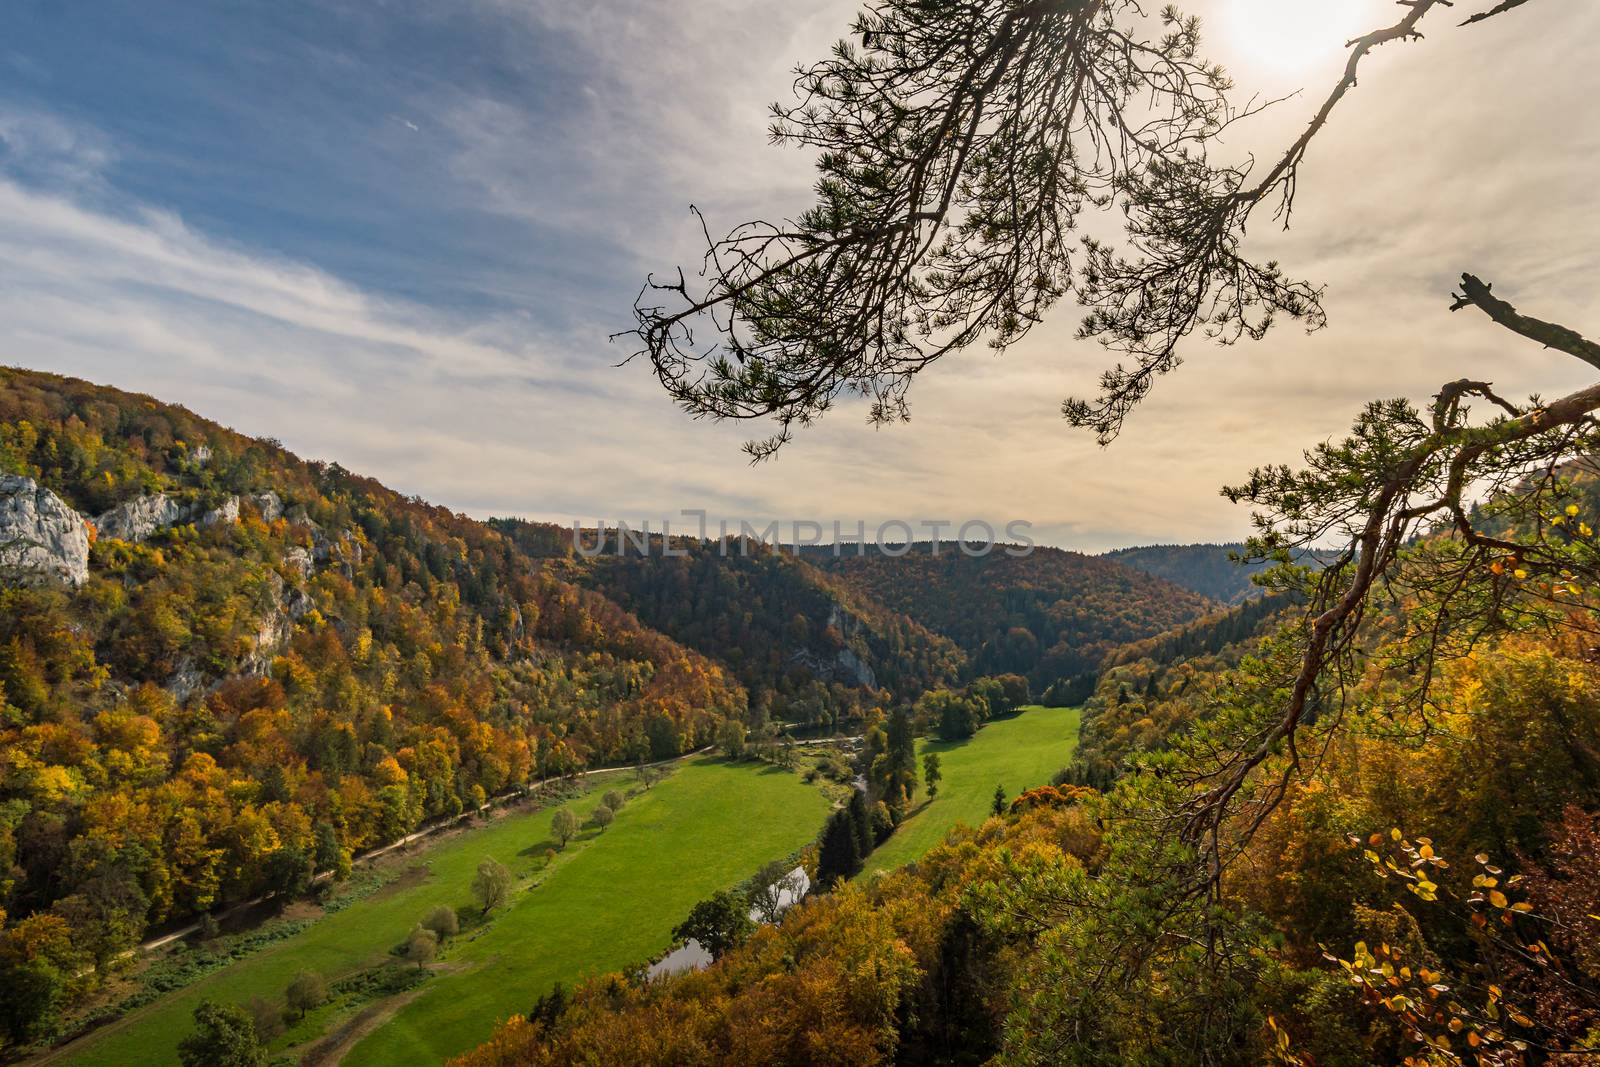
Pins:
x: 268, y: 503
x: 276, y: 628
x: 41, y: 539
x: 186, y: 682
x: 137, y: 519
x: 227, y: 513
x: 299, y: 560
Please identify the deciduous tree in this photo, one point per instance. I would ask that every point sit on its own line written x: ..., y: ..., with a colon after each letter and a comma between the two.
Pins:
x: 719, y: 923
x: 491, y: 885
x: 422, y: 945
x: 224, y: 1036
x: 308, y: 990
x: 443, y: 921
x: 564, y: 825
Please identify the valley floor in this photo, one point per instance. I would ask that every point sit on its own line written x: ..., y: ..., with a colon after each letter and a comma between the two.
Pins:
x: 1019, y: 752
x: 608, y: 901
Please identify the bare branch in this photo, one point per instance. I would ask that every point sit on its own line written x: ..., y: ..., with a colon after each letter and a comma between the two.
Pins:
x: 1476, y: 293
x: 1393, y: 477
x: 1502, y: 6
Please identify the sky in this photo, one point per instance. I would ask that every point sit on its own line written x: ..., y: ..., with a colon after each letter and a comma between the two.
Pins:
x: 397, y: 235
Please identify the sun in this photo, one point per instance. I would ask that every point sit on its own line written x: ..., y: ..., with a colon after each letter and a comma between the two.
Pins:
x: 1290, y: 36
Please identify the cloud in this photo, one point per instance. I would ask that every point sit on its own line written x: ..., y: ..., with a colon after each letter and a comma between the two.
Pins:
x: 1462, y: 152
x: 51, y: 149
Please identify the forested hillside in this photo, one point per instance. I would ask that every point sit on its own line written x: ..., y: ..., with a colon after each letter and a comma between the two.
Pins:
x: 1210, y: 570
x: 222, y: 667
x: 1206, y: 569
x: 807, y: 647
x: 1426, y: 893
x: 1048, y: 615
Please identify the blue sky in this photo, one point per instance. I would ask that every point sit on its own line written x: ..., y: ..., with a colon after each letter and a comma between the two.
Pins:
x: 398, y: 234
x: 319, y: 133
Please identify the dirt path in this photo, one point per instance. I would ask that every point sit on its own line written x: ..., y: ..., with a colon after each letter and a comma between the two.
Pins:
x: 332, y: 1049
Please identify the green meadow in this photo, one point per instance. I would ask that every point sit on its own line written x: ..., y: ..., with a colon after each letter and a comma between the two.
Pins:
x: 708, y: 827
x: 608, y: 901
x: 1018, y: 752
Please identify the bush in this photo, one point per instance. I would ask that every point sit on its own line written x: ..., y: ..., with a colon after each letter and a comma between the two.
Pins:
x: 267, y: 1016
x: 882, y: 823
x: 443, y: 921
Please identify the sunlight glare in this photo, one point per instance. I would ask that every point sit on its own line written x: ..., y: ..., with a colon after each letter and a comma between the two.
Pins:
x: 1296, y: 35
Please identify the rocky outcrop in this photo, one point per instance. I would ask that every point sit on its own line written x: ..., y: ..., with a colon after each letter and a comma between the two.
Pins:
x: 137, y: 519
x: 227, y: 513
x: 299, y: 561
x: 41, y: 539
x: 343, y: 550
x: 274, y: 629
x: 846, y: 666
x: 187, y: 681
x: 268, y: 504
x: 849, y: 667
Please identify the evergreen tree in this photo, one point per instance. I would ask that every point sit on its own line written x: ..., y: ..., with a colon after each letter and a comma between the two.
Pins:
x: 999, y: 806
x: 861, y: 822
x: 899, y: 774
x: 328, y: 853
x: 840, y: 855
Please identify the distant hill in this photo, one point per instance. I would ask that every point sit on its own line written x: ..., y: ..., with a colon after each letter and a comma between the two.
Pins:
x: 1049, y: 615
x: 808, y: 646
x: 1204, y: 569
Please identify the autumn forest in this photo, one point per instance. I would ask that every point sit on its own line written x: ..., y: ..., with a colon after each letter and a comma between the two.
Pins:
x: 1277, y: 740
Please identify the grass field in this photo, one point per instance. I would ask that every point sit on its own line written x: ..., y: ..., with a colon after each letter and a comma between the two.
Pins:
x: 1019, y: 753
x: 608, y: 901
x: 710, y: 826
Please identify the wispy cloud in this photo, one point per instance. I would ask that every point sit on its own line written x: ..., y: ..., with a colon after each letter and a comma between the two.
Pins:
x: 51, y: 149
x: 546, y: 187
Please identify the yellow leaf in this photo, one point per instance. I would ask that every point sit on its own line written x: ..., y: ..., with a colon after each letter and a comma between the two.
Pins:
x: 1497, y: 898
